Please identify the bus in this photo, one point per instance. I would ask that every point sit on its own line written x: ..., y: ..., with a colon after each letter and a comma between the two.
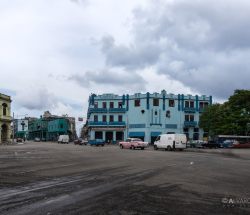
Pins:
x: 233, y: 141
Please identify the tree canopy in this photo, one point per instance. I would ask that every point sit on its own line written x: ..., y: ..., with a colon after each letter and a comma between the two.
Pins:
x: 231, y: 118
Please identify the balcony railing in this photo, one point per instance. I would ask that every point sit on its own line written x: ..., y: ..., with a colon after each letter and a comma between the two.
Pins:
x: 189, y: 109
x: 107, y: 123
x: 98, y: 110
x: 117, y: 123
x: 117, y: 110
x: 105, y: 110
x: 190, y: 123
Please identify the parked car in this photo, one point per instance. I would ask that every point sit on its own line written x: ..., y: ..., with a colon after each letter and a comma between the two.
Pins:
x: 241, y: 145
x: 80, y: 141
x: 37, y: 139
x: 63, y: 139
x: 19, y: 140
x: 211, y: 144
x: 228, y: 143
x: 171, y: 142
x: 97, y: 142
x: 195, y: 143
x: 133, y: 143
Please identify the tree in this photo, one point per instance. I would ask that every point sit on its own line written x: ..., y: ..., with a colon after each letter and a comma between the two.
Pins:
x: 232, y: 117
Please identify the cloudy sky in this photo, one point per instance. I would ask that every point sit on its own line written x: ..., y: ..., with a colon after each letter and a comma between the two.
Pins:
x: 54, y: 53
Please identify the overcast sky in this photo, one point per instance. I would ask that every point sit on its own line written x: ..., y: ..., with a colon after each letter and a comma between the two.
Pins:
x: 54, y: 53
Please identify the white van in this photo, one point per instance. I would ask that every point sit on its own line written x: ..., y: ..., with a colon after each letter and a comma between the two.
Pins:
x: 63, y: 139
x: 171, y: 142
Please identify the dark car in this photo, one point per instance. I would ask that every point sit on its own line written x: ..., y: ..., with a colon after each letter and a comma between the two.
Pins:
x: 19, y: 140
x: 78, y: 141
x: 211, y: 144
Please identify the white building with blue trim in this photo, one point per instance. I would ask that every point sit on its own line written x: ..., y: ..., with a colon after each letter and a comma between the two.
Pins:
x: 114, y: 118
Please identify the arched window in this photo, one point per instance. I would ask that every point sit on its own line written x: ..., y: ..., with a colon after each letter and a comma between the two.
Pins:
x: 4, y: 109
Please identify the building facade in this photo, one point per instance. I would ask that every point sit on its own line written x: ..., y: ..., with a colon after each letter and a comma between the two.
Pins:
x: 5, y: 118
x: 115, y: 118
x: 57, y: 127
x: 21, y: 128
x: 48, y: 127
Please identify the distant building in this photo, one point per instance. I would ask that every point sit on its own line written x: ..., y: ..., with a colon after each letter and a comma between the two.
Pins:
x: 115, y: 118
x: 48, y: 127
x: 21, y: 128
x: 5, y: 118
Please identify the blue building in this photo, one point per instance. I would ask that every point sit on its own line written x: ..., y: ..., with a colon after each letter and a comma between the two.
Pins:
x: 114, y: 118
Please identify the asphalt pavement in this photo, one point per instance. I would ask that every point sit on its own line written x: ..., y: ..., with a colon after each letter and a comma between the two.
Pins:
x: 50, y: 178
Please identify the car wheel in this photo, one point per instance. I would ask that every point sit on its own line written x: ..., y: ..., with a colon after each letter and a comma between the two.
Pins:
x: 102, y: 145
x: 169, y: 148
x: 121, y: 146
x: 142, y: 148
x: 155, y: 147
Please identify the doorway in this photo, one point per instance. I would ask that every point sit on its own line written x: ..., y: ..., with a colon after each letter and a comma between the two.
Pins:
x: 109, y: 137
x: 4, y: 133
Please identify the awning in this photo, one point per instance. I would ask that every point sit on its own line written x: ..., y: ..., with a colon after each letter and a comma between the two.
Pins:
x: 136, y: 134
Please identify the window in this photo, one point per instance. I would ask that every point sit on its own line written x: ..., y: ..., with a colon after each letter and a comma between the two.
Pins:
x: 61, y: 125
x: 167, y: 113
x: 96, y: 105
x: 196, y: 129
x: 189, y: 104
x: 156, y: 102
x: 156, y: 113
x: 189, y: 118
x: 119, y: 104
x: 171, y: 103
x: 4, y: 109
x: 158, y: 138
x: 111, y: 118
x: 137, y: 103
x: 185, y: 130
x: 111, y: 105
x: 120, y: 118
x: 203, y: 105
x: 104, y: 118
x: 95, y: 118
x: 104, y: 105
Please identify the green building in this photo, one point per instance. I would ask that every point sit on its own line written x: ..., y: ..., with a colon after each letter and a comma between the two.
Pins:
x: 38, y: 128
x: 57, y: 127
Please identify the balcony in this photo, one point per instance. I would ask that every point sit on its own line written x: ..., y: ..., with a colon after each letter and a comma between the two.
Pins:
x: 190, y: 123
x: 107, y: 124
x: 98, y: 110
x: 117, y: 110
x: 98, y: 123
x: 5, y: 118
x: 117, y: 123
x: 189, y: 109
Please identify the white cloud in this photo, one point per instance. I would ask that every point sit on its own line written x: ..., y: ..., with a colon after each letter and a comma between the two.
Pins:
x: 51, y: 56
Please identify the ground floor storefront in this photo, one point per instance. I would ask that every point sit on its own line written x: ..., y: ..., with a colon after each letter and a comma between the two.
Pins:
x: 5, y: 131
x: 109, y: 135
x: 114, y: 135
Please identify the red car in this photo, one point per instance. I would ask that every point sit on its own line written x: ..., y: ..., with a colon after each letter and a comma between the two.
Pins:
x: 133, y: 143
x: 241, y: 145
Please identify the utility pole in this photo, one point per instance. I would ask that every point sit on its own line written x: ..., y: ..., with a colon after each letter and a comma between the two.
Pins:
x: 13, y: 128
